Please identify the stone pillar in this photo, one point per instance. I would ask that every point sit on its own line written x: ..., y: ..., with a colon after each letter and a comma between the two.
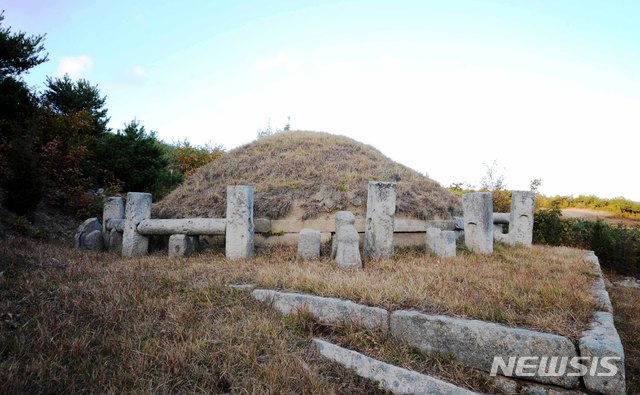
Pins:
x: 347, y: 243
x: 521, y: 218
x: 113, y: 209
x: 478, y: 222
x: 441, y: 243
x: 137, y: 209
x: 309, y: 244
x: 240, y: 230
x: 378, y: 231
x: 183, y: 245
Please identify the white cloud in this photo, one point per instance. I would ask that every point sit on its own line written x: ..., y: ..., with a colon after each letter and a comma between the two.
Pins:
x: 280, y: 60
x: 75, y: 66
x: 136, y: 75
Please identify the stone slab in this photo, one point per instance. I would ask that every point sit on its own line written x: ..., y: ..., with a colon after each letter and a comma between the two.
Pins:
x: 330, y: 311
x: 181, y: 245
x: 475, y: 343
x: 389, y: 377
x: 478, y: 222
x: 602, y: 341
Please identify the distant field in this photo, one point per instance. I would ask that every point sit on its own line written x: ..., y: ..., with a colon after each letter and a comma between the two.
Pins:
x: 594, y: 215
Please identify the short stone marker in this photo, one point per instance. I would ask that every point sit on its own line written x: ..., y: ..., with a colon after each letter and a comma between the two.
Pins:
x: 89, y: 236
x: 441, y: 243
x: 478, y: 221
x: 113, y: 209
x: 309, y: 244
x: 239, y: 222
x: 378, y: 231
x: 347, y: 244
x: 115, y: 241
x: 137, y: 209
x: 182, y: 245
x: 520, y: 219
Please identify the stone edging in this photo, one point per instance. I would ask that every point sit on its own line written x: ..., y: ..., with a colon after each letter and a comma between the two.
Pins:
x: 473, y: 342
x: 389, y: 377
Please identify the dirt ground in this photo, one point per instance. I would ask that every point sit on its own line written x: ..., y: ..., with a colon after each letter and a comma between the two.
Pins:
x: 594, y: 215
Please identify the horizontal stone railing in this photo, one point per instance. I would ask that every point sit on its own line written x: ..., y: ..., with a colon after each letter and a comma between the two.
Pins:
x: 401, y: 225
x: 501, y: 218
x: 186, y: 226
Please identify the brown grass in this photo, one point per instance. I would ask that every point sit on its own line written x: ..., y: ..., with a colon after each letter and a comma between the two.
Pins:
x: 76, y: 321
x: 627, y: 320
x: 305, y: 174
x: 542, y: 288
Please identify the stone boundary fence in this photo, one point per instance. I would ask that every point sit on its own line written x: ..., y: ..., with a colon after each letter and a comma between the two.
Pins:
x: 475, y: 343
x: 127, y: 228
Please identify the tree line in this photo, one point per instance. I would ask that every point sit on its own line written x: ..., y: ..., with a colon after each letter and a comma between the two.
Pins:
x: 56, y: 145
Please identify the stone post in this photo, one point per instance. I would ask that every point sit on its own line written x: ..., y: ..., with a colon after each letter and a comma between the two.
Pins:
x: 478, y: 222
x: 441, y: 242
x: 240, y: 230
x: 346, y: 249
x: 183, y: 245
x: 113, y: 209
x: 378, y: 231
x: 137, y: 209
x: 309, y: 244
x: 521, y: 218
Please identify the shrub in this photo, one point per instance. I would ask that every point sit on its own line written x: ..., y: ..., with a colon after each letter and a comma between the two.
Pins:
x: 617, y: 247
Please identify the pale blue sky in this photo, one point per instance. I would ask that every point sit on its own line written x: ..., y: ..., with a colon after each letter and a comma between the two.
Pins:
x: 549, y: 89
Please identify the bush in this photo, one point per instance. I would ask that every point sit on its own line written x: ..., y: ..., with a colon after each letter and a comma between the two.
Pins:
x: 617, y: 247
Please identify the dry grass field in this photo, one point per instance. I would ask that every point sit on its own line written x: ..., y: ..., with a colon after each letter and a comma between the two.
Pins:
x: 305, y: 175
x: 78, y: 321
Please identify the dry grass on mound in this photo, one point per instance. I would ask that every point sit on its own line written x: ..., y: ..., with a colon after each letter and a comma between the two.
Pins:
x: 306, y: 174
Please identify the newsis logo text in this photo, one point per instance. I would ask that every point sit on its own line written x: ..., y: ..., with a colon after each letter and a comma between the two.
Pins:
x: 555, y: 366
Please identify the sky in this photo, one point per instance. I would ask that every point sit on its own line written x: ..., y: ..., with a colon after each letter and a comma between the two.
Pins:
x: 548, y: 90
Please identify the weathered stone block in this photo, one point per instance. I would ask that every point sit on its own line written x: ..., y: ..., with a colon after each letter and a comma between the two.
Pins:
x: 309, y: 244
x: 381, y: 208
x: 183, y: 245
x: 113, y: 209
x: 347, y: 245
x: 602, y: 341
x: 389, y: 377
x: 115, y: 241
x: 327, y: 310
x: 93, y: 241
x: 520, y: 219
x: 138, y: 208
x: 476, y: 343
x: 441, y: 243
x: 87, y: 227
x: 478, y: 222
x: 239, y: 239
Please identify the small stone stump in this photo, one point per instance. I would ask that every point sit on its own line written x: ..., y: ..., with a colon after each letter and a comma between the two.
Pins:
x: 309, y: 244
x: 183, y: 245
x: 138, y: 208
x: 347, y: 242
x: 239, y: 229
x: 441, y: 243
x: 520, y: 219
x: 478, y: 222
x: 89, y: 236
x: 113, y: 209
x: 115, y: 241
x: 379, y: 223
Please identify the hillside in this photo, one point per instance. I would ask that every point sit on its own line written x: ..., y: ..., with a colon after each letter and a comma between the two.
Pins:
x: 305, y: 175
